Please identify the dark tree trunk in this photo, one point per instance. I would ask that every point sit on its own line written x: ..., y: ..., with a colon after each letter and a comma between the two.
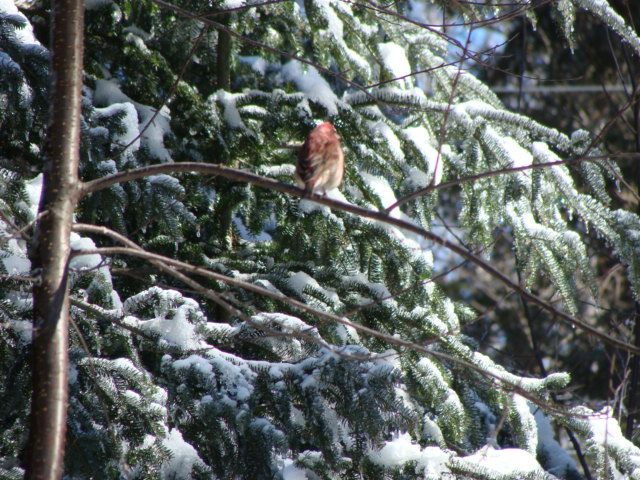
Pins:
x: 50, y: 248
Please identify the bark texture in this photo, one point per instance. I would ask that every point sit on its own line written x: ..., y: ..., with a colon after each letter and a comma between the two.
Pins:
x: 50, y: 248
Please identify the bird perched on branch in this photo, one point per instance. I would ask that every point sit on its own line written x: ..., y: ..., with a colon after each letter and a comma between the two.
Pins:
x: 320, y: 161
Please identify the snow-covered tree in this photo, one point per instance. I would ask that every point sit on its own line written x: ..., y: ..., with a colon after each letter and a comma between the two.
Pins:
x: 221, y: 329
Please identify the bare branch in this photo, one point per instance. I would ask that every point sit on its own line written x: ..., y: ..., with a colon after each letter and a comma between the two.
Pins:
x: 177, y: 265
x: 393, y: 340
x: 383, y: 217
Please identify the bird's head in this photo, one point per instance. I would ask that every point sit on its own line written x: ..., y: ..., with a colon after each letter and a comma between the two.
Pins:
x: 326, y: 127
x: 326, y: 130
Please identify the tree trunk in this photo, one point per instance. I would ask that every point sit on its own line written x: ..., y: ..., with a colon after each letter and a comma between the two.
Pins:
x: 50, y: 248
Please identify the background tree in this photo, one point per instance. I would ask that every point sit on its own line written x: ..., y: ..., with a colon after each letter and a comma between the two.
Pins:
x: 221, y: 327
x: 586, y: 79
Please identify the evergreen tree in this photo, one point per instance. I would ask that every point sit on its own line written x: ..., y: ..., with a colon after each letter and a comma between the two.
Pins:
x: 312, y: 342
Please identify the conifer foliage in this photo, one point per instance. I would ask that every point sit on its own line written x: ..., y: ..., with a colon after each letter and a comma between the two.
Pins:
x: 311, y: 342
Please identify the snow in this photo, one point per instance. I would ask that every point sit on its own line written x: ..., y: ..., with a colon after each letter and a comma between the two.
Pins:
x: 282, y: 170
x: 541, y: 150
x: 505, y: 461
x: 34, y: 192
x: 159, y: 409
x: 138, y: 32
x: 24, y: 329
x: 396, y: 452
x: 155, y: 131
x: 129, y: 118
x: 17, y: 262
x: 419, y: 136
x: 268, y: 285
x: 450, y: 317
x: 308, y: 206
x: 116, y: 301
x: 73, y: 373
x: 543, y: 154
x: 489, y: 419
x: 383, y: 130
x: 107, y: 93
x: 379, y: 289
x: 257, y: 64
x: 308, y: 382
x: 395, y: 60
x: 521, y: 216
x: 184, y: 456
x: 431, y: 460
x: 24, y: 35
x: 334, y: 34
x: 230, y: 4
x: 300, y: 280
x: 138, y: 42
x: 291, y: 472
x: 254, y: 111
x: 15, y: 258
x: 382, y: 189
x: 243, y: 393
x: 431, y: 429
x: 83, y: 262
x: 416, y: 179
x: 388, y: 357
x: 232, y: 374
x: 335, y: 24
x: 124, y: 364
x: 176, y: 330
x: 91, y: 262
x: 174, y: 317
x: 460, y: 115
x: 528, y: 428
x: 196, y: 362
x: 287, y: 324
x: 347, y: 334
x: 231, y: 114
x: 297, y: 417
x: 606, y: 431
x: 312, y: 85
x: 556, y: 459
x: 518, y: 155
x: 245, y: 234
x: 132, y: 396
x: 416, y: 244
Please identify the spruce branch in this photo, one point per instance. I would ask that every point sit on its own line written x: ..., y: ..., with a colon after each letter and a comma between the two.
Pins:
x: 505, y: 171
x: 108, y: 315
x: 242, y: 176
x: 481, y: 365
x: 172, y: 89
x: 175, y: 266
x: 159, y: 262
x: 224, y: 29
x: 249, y: 41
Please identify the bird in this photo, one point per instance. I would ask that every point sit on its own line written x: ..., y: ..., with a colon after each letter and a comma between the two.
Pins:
x: 320, y: 165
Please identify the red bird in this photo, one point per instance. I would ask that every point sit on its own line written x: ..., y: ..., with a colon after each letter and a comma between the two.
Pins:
x: 320, y: 161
